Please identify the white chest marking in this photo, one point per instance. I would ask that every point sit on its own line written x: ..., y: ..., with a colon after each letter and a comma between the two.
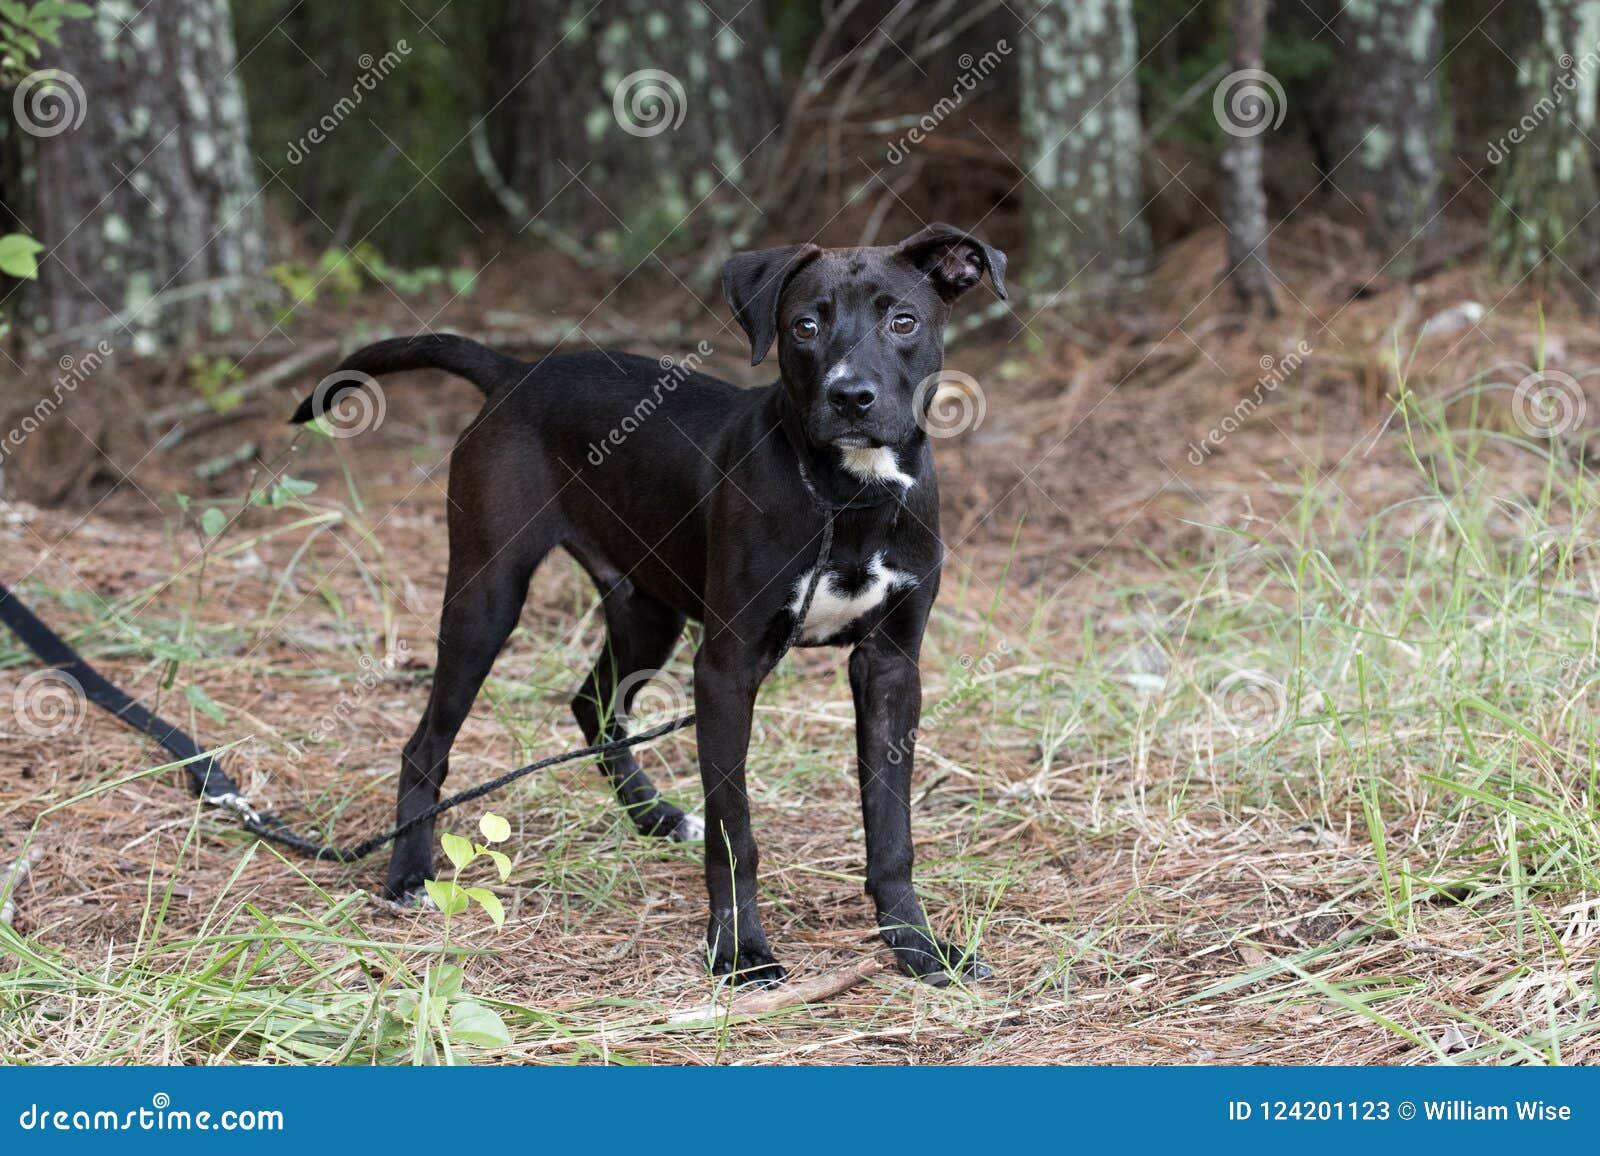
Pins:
x: 832, y: 610
x: 875, y: 464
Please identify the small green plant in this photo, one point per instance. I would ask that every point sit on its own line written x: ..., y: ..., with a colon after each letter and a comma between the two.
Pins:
x: 216, y: 378
x: 452, y: 898
x: 442, y: 1014
x: 345, y: 272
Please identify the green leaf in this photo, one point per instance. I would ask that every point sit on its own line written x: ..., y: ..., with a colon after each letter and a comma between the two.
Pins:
x: 502, y: 861
x: 445, y: 980
x: 447, y: 896
x: 490, y: 902
x: 204, y: 703
x: 458, y: 850
x: 19, y: 256
x: 472, y: 1023
x: 213, y: 521
x: 461, y: 281
x: 495, y: 829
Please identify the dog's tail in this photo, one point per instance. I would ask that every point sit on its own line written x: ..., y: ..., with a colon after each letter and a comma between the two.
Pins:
x: 488, y: 369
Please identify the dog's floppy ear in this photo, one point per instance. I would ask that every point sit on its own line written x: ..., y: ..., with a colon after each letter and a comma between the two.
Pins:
x: 753, y: 284
x: 955, y: 260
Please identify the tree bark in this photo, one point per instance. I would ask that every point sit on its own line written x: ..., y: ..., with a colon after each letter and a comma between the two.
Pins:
x: 1547, y: 186
x: 155, y: 189
x: 1388, y: 123
x: 1243, y: 157
x: 627, y: 118
x: 1081, y: 145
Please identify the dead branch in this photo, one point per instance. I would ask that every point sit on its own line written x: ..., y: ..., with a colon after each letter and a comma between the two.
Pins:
x: 806, y: 991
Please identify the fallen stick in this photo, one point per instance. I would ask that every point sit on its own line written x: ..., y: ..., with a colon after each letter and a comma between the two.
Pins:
x: 813, y: 990
x: 11, y: 882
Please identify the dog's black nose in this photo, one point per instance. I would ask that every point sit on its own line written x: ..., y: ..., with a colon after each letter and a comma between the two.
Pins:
x: 852, y: 398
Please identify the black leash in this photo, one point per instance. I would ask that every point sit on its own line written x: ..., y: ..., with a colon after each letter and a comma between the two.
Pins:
x: 212, y: 784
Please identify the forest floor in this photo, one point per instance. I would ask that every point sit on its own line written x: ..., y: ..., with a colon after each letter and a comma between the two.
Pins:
x: 1276, y: 750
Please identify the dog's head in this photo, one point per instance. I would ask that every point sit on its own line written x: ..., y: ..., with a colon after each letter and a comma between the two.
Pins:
x: 858, y: 329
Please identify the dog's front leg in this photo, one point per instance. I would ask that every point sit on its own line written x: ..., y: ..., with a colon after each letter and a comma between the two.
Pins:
x: 887, y: 688
x: 725, y: 683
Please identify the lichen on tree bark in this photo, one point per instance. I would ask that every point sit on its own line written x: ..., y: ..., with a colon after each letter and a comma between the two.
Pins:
x: 1082, y: 142
x: 1388, y: 126
x: 156, y: 189
x: 1546, y: 182
x: 559, y: 136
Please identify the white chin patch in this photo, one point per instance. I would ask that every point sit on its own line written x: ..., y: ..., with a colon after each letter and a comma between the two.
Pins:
x: 875, y: 464
x: 832, y: 610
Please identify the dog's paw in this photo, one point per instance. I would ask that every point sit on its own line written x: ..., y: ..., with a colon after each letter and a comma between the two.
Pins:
x: 752, y: 968
x: 945, y: 965
x: 416, y: 901
x: 408, y: 889
x: 690, y: 829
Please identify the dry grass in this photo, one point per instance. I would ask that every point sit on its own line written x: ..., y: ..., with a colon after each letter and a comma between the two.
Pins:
x: 1285, y: 757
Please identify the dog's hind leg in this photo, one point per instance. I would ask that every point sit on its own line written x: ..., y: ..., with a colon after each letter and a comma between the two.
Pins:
x: 483, y: 600
x: 640, y: 634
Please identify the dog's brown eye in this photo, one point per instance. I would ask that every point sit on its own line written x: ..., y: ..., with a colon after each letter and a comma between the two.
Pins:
x: 903, y: 323
x: 805, y: 329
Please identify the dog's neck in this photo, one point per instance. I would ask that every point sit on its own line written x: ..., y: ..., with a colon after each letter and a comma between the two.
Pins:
x: 850, y: 476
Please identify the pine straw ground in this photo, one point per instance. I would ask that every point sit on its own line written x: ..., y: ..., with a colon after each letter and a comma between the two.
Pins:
x: 1285, y: 756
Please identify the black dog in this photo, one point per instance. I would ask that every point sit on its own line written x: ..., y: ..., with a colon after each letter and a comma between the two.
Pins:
x: 710, y: 506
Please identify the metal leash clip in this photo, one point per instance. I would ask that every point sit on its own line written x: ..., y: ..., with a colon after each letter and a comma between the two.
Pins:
x: 238, y: 804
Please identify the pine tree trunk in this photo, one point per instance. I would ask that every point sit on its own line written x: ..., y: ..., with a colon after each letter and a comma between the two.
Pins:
x: 1546, y: 175
x: 627, y: 118
x: 155, y: 190
x: 1081, y: 144
x: 1388, y: 124
x: 1243, y: 158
